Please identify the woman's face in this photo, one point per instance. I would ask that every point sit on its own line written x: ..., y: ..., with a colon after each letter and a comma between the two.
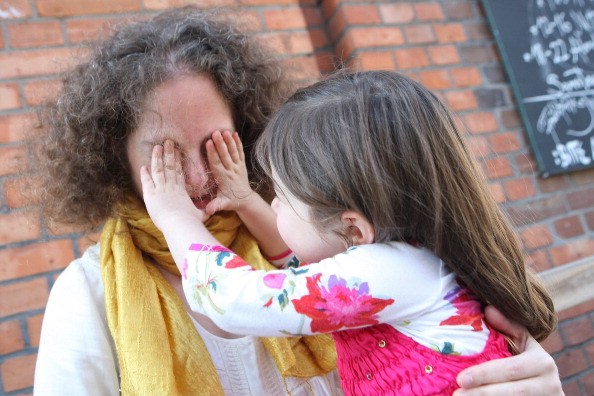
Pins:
x: 187, y: 110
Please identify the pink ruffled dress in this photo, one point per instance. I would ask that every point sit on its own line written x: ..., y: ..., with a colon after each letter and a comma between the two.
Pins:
x: 379, y: 360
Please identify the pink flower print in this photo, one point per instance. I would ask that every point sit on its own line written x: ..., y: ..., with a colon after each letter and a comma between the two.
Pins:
x: 468, y: 309
x: 338, y: 305
x: 274, y: 280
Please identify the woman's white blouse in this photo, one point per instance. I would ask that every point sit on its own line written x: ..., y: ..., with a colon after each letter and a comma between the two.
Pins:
x: 77, y: 354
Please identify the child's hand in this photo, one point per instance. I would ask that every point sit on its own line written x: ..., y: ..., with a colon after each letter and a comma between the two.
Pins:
x: 227, y: 162
x: 164, y: 189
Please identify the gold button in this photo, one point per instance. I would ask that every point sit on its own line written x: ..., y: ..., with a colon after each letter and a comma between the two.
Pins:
x: 381, y: 343
x: 369, y: 376
x: 428, y: 369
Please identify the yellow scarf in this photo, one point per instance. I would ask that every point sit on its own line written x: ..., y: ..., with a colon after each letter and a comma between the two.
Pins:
x: 159, y: 350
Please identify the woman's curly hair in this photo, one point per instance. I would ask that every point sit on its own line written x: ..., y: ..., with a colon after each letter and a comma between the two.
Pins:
x: 81, y: 154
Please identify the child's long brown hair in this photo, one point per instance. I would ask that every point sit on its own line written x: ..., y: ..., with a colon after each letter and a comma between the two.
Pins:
x: 382, y: 144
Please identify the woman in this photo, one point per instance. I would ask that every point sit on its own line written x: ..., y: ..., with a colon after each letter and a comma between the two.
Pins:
x: 116, y: 318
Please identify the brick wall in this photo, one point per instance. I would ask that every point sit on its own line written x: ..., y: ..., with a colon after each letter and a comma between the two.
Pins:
x: 445, y: 44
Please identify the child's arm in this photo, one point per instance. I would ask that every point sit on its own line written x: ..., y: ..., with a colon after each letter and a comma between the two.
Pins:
x: 227, y: 161
x: 169, y: 205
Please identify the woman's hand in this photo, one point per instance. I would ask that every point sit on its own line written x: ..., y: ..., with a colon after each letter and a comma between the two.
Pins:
x: 532, y: 372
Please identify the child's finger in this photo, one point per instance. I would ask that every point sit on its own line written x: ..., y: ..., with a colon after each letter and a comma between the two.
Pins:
x: 212, y: 206
x: 179, y: 170
x: 222, y: 149
x: 231, y: 146
x: 239, y: 145
x: 212, y: 155
x: 169, y: 162
x: 146, y: 180
x: 157, y: 166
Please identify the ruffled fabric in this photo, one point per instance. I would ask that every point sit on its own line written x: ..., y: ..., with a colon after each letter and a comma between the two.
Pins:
x: 379, y: 360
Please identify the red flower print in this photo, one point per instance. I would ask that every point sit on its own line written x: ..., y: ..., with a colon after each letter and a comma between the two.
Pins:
x: 338, y: 306
x: 468, y: 309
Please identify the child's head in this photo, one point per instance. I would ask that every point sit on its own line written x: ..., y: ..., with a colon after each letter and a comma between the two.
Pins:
x: 382, y: 145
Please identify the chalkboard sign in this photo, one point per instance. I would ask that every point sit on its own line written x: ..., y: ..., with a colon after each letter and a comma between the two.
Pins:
x: 548, y: 51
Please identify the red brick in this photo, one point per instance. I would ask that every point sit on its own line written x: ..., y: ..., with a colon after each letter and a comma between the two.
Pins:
x: 9, y: 97
x: 397, y: 13
x: 584, y: 178
x: 466, y: 77
x: 34, y: 328
x: 450, y: 33
x: 504, y: 142
x: 411, y: 58
x: 497, y: 192
x: 577, y: 331
x: 62, y: 8
x: 12, y: 127
x: 461, y: 100
x: 553, y: 343
x: 577, y: 310
x: 19, y: 226
x: 519, y: 188
x: 285, y: 18
x: 481, y: 122
x: 571, y: 388
x: 165, y: 4
x: 23, y: 296
x: 498, y: 167
x: 572, y: 251
x: 38, y: 91
x: 288, y: 42
x: 590, y: 220
x: 15, y: 9
x: 17, y: 372
x: 581, y: 199
x: 536, y: 237
x: 455, y: 9
x: 510, y: 119
x: 587, y: 383
x: 35, y: 259
x: 478, y: 146
x: 538, y: 261
x: 337, y: 26
x: 59, y: 229
x: 526, y: 163
x: 376, y: 60
x: 570, y: 363
x: 13, y: 159
x: 429, y: 11
x: 419, y: 34
x: 435, y: 79
x: 361, y: 14
x: 302, y: 68
x: 477, y: 31
x: 35, y: 62
x: 11, y: 337
x: 329, y: 7
x: 537, y: 210
x: 569, y: 227
x: 79, y: 30
x: 376, y: 37
x: 35, y: 34
x: 444, y: 55
x: 20, y: 192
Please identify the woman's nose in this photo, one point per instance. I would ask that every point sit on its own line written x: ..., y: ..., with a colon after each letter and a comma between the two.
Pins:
x: 196, y: 171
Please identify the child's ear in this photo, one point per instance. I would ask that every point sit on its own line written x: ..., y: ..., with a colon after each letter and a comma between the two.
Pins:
x: 358, y: 229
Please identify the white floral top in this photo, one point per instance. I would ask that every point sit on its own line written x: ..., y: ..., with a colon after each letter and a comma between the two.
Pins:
x: 395, y: 283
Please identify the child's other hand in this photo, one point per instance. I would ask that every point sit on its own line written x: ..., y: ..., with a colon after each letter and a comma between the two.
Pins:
x: 227, y: 161
x: 164, y: 189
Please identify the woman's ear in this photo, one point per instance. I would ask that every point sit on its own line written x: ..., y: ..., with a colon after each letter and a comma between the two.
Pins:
x: 358, y: 229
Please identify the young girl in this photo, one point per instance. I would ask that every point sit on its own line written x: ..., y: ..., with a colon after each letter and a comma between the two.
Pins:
x: 377, y: 192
